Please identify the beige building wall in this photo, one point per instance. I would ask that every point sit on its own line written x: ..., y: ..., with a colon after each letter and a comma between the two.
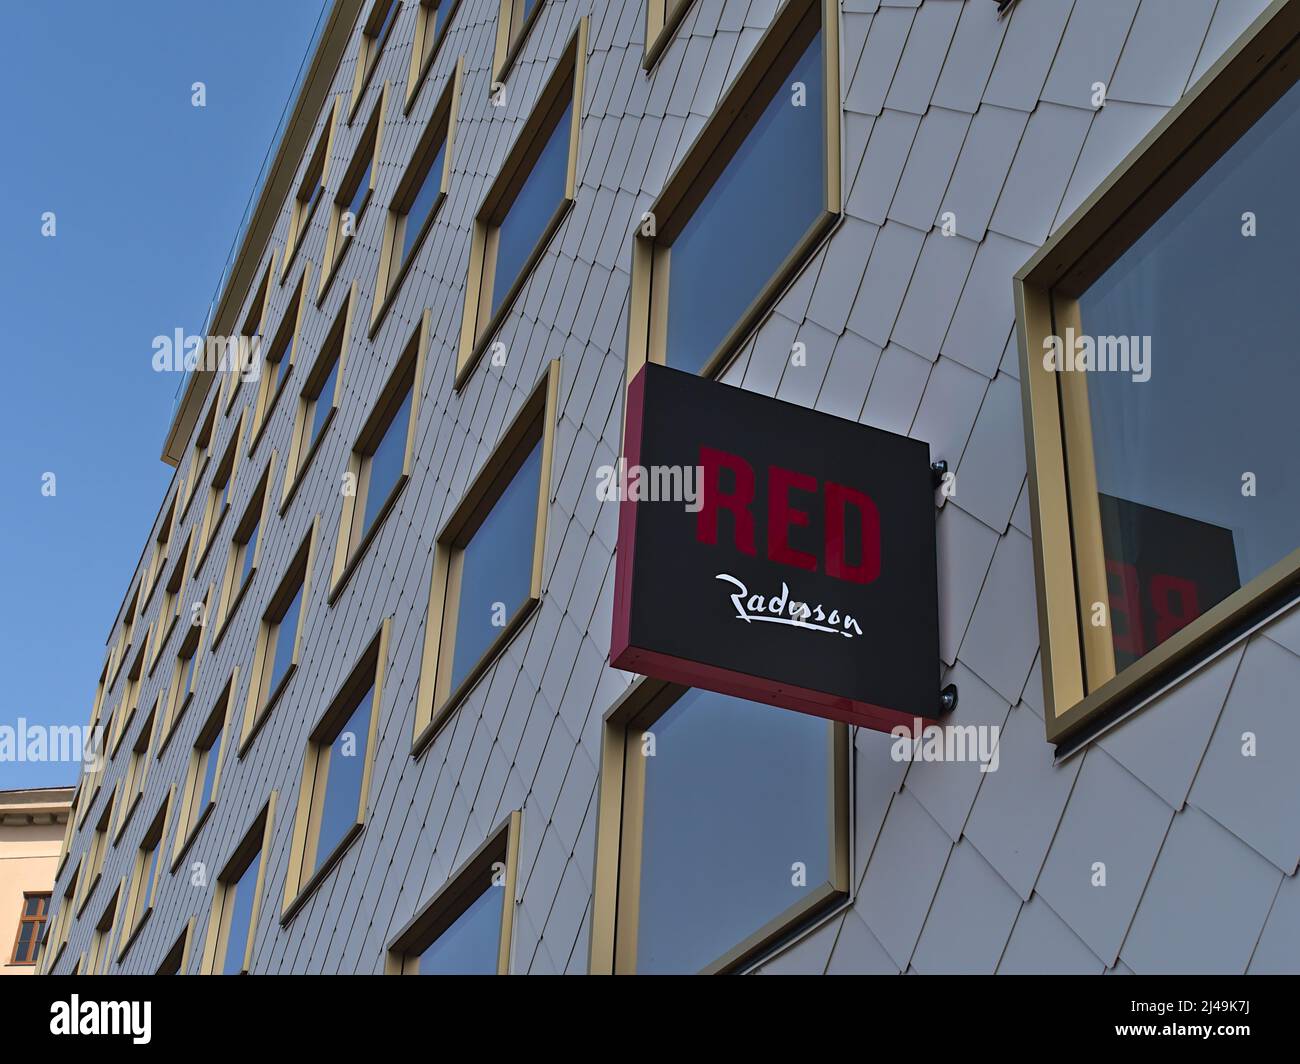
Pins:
x: 32, y: 823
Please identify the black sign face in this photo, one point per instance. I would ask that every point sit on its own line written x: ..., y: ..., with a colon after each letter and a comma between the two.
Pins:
x: 775, y: 553
x: 1163, y: 571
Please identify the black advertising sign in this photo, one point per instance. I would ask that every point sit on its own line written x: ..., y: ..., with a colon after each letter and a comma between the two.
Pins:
x: 1163, y: 571
x: 775, y: 553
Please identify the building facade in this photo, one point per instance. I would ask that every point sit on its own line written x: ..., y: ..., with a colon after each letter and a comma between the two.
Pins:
x: 31, y: 830
x: 357, y: 704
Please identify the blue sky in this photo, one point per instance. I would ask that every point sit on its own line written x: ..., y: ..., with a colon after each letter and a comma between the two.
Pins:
x: 148, y: 192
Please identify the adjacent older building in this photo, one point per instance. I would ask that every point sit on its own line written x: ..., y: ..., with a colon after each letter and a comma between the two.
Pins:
x: 358, y: 708
x: 31, y: 832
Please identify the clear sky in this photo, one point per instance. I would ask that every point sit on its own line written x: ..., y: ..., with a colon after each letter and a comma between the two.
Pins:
x: 148, y: 192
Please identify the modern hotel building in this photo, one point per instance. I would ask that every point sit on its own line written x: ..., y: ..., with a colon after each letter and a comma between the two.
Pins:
x: 358, y: 704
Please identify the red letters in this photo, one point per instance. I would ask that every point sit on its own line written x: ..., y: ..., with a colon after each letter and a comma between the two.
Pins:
x: 713, y: 462
x: 782, y: 515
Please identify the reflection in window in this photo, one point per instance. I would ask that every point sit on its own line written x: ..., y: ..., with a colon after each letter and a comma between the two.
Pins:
x: 471, y: 945
x: 240, y: 897
x: 1182, y: 526
x: 735, y: 795
x: 341, y: 773
x: 384, y: 467
x: 527, y: 217
x: 496, y: 567
x: 750, y: 219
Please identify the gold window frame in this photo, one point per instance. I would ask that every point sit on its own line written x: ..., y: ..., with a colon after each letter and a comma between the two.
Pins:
x: 564, y: 87
x: 714, y: 147
x: 289, y: 332
x: 662, y: 17
x: 513, y: 28
x: 439, y: 134
x: 1081, y: 691
x: 178, y: 700
x: 302, y: 448
x: 407, y: 375
x: 534, y: 425
x: 257, y: 841
x: 456, y: 895
x: 318, y: 163
x: 621, y: 811
x: 220, y: 490
x: 367, y: 152
x: 256, y: 519
x: 262, y: 699
x: 139, y: 902
x: 304, y: 876
x: 423, y: 50
x: 370, y: 47
x: 216, y: 729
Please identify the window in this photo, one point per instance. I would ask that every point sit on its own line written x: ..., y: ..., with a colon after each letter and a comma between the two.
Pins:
x: 432, y: 19
x: 1145, y: 319
x: 170, y: 612
x: 145, y: 876
x: 129, y: 616
x: 418, y: 197
x: 279, y: 645
x: 31, y: 922
x: 200, y: 455
x: 100, y: 951
x: 525, y: 205
x: 203, y: 775
x: 184, y: 679
x: 355, y: 190
x: 96, y: 851
x: 466, y: 928
x: 374, y: 35
x: 220, y: 492
x: 177, y: 958
x: 336, y: 775
x: 736, y: 221
x: 728, y: 840
x: 243, y: 354
x: 662, y: 17
x: 487, y: 564
x: 158, y: 561
x: 516, y: 18
x: 319, y: 399
x: 136, y: 770
x: 382, y: 458
x: 232, y: 927
x: 130, y: 696
x: 278, y: 361
x: 245, y: 549
x: 311, y: 190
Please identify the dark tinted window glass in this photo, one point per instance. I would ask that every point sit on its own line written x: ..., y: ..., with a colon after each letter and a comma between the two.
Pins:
x: 359, y: 196
x: 736, y: 793
x: 1205, y: 319
x: 386, y: 463
x: 241, y: 917
x: 209, y: 774
x: 497, y: 567
x: 343, y: 775
x: 470, y: 945
x: 286, y: 632
x: 324, y: 402
x: 390, y: 15
x: 764, y: 201
x: 531, y: 210
x: 426, y: 198
x: 151, y: 874
x: 250, y: 552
